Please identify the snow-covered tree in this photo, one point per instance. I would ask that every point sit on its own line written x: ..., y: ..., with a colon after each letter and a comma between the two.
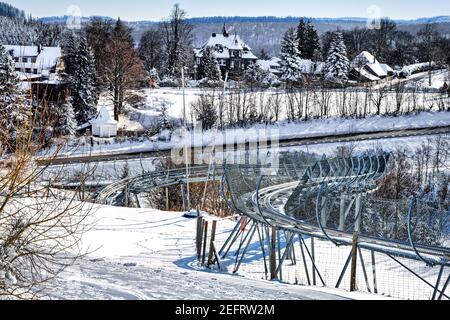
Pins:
x: 164, y: 119
x: 8, y: 78
x: 337, y: 64
x: 67, y: 123
x: 13, y: 112
x: 254, y: 75
x: 290, y: 58
x: 80, y: 72
x: 209, y: 67
x: 154, y: 75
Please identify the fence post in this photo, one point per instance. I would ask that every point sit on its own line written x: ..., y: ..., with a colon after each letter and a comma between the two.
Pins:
x: 354, y: 261
x: 211, y: 243
x: 355, y: 243
x: 205, y: 237
x: 313, y: 261
x: 199, y: 236
x: 167, y: 199
x: 272, y: 254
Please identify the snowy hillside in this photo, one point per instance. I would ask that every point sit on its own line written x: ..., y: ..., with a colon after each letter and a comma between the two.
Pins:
x: 145, y: 254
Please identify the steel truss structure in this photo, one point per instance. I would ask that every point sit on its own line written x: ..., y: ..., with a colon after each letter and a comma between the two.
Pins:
x: 314, y: 199
x: 332, y: 199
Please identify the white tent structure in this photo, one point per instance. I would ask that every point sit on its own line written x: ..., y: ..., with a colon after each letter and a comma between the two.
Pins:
x: 103, y: 126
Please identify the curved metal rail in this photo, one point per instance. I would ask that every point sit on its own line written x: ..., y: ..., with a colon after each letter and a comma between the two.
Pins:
x: 302, y: 199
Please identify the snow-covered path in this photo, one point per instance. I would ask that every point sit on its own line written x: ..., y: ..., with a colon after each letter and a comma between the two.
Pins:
x: 148, y: 254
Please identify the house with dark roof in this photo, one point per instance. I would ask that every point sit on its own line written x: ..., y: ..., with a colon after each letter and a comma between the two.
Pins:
x: 232, y: 54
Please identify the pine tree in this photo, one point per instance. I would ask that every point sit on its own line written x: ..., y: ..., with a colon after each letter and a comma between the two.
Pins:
x: 337, y: 64
x: 301, y: 37
x: 263, y: 55
x: 80, y: 72
x: 67, y: 123
x: 291, y: 70
x: 312, y: 43
x: 308, y: 39
x: 8, y: 78
x: 253, y: 75
x: 163, y: 119
x: 209, y: 67
x: 13, y: 111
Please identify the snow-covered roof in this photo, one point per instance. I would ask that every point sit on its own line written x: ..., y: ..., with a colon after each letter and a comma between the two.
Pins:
x: 386, y: 68
x: 46, y: 58
x: 232, y: 42
x: 269, y: 64
x: 103, y: 117
x: 377, y: 69
x: 223, y: 44
x: 365, y: 55
x: 366, y: 74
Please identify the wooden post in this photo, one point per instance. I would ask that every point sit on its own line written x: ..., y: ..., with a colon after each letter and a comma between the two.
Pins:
x: 167, y: 199
x: 354, y: 261
x: 374, y: 273
x: 211, y: 243
x: 272, y: 254
x: 205, y: 238
x: 199, y: 237
x: 355, y: 243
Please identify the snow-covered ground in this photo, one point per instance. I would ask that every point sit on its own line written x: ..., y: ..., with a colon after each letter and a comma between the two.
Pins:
x: 313, y: 128
x: 149, y: 254
x: 146, y: 115
x: 438, y: 79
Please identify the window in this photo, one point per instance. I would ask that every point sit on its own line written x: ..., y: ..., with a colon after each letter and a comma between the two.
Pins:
x: 33, y: 60
x: 27, y: 70
x: 16, y: 59
x: 35, y: 71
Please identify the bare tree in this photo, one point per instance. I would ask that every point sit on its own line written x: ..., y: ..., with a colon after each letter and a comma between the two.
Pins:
x: 150, y: 48
x: 177, y: 33
x: 429, y: 39
x: 122, y: 69
x: 40, y: 227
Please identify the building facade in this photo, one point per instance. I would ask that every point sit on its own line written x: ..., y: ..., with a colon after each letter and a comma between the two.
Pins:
x: 35, y: 62
x: 233, y: 54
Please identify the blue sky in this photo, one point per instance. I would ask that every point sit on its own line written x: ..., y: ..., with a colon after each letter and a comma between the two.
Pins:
x: 157, y: 9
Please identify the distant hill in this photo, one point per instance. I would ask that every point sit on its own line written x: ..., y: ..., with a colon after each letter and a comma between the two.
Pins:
x: 7, y: 10
x: 268, y: 19
x: 266, y: 32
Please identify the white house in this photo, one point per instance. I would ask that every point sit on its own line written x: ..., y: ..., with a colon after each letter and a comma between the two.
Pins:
x: 35, y: 62
x: 367, y: 68
x: 103, y: 126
